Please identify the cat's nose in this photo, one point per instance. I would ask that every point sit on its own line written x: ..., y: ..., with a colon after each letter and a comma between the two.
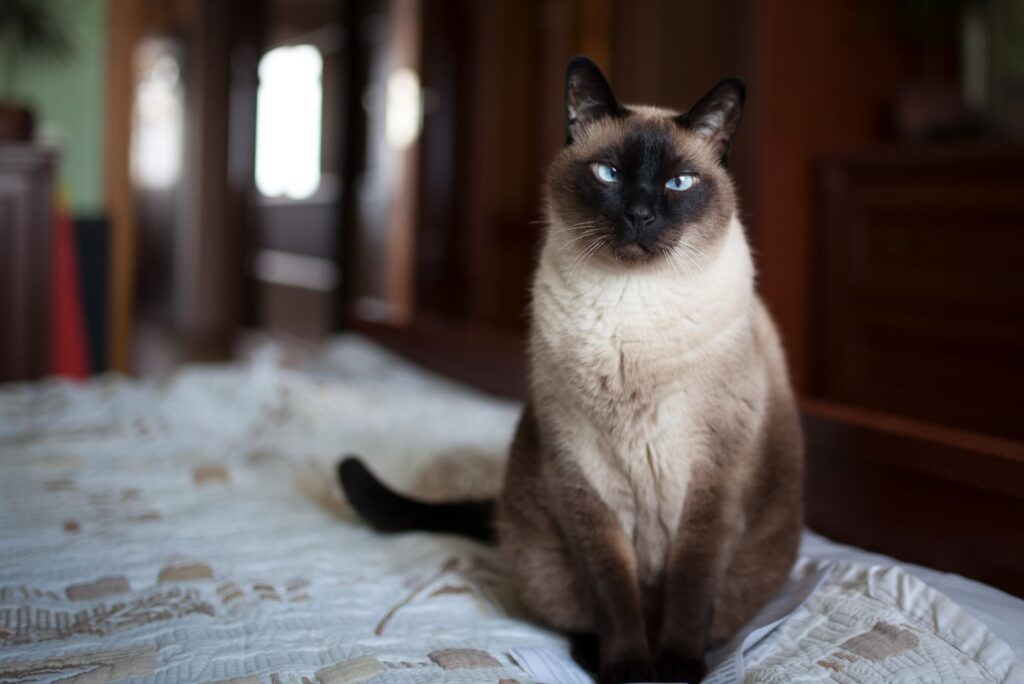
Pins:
x: 639, y: 215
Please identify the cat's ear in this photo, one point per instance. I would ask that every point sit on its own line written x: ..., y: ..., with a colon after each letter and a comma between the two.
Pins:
x: 717, y: 116
x: 588, y: 97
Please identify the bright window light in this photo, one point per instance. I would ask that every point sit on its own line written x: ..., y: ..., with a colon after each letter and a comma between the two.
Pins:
x: 158, y: 116
x: 288, y: 117
x: 403, y: 115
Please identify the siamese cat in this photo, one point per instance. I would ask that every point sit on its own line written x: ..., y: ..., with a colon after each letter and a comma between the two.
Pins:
x: 652, y: 500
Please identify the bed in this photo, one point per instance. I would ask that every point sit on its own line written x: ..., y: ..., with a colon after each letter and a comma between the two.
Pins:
x: 190, y: 529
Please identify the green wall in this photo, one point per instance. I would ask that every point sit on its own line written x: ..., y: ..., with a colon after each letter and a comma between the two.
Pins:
x: 68, y: 97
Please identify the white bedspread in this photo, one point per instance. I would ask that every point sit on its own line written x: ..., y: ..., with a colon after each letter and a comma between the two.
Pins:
x: 191, y: 530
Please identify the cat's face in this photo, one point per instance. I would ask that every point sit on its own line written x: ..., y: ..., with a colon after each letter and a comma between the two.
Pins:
x: 638, y: 184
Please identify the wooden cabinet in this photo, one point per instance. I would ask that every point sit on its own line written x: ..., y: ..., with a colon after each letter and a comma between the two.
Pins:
x: 919, y: 285
x: 915, y: 428
x: 26, y: 219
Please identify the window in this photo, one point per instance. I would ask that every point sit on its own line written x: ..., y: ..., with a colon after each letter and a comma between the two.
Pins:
x: 158, y: 116
x: 288, y: 119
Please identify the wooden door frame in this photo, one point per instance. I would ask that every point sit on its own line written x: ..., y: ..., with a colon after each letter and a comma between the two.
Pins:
x: 212, y: 312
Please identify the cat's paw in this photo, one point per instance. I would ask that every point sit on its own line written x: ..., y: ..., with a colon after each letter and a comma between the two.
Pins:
x: 672, y: 666
x: 626, y: 672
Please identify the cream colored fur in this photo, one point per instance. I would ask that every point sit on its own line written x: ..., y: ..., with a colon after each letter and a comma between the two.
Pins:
x: 630, y: 364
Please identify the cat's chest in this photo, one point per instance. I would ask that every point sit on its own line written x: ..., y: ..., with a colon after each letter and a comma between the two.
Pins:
x: 639, y: 452
x: 631, y: 388
x: 624, y: 359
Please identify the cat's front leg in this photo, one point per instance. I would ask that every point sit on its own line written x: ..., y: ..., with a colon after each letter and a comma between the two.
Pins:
x: 710, y: 525
x: 606, y: 565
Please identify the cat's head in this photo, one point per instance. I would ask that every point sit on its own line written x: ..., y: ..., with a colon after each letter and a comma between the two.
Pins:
x: 637, y: 184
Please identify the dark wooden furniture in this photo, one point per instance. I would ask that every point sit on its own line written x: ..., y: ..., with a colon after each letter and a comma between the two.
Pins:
x: 945, y: 498
x: 918, y: 286
x: 915, y: 430
x: 26, y: 219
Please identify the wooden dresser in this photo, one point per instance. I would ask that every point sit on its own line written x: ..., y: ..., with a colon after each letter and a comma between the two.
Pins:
x: 919, y: 285
x: 915, y: 414
x: 26, y: 219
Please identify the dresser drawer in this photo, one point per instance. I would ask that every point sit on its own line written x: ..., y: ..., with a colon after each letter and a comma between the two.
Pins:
x: 919, y: 286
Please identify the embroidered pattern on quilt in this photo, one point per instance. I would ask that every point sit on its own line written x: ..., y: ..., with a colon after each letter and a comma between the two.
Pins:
x: 190, y: 530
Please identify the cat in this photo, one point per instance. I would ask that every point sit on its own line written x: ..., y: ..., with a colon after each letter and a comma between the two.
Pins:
x: 652, y: 500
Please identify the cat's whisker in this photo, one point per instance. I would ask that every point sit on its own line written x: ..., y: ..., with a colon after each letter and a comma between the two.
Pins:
x: 683, y: 261
x: 683, y: 258
x: 579, y: 258
x: 586, y: 229
x: 677, y: 259
x: 583, y: 236
x: 576, y: 262
x: 579, y: 242
x: 586, y: 254
x: 695, y: 256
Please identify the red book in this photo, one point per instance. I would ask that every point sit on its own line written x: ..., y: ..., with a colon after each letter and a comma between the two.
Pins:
x: 69, y: 356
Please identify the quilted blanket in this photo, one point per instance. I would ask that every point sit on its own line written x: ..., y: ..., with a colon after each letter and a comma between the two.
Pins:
x: 190, y: 530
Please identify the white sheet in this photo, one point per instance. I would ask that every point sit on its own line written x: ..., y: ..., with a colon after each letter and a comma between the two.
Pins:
x: 999, y: 611
x: 190, y: 530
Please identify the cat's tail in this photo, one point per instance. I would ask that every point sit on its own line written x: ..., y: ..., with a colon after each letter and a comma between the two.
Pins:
x: 388, y: 511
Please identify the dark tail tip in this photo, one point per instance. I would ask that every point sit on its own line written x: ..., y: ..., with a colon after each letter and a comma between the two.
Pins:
x: 355, y: 477
x: 368, y: 495
x: 388, y: 511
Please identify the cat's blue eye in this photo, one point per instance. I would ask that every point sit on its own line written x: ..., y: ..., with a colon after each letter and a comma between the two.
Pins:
x: 606, y: 173
x: 681, y: 183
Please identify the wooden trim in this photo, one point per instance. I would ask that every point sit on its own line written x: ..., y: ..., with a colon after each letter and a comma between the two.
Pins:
x: 405, y: 47
x: 208, y: 258
x: 926, y: 494
x: 594, y: 37
x: 959, y: 456
x: 355, y: 66
x: 127, y: 22
x: 482, y: 127
x: 484, y: 358
x: 124, y: 25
